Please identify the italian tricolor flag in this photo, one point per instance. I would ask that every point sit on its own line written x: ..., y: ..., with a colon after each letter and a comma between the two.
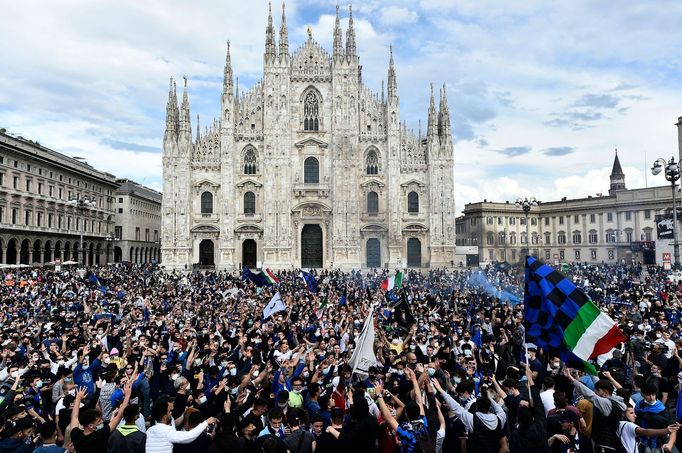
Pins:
x: 270, y: 277
x: 393, y: 282
x: 592, y: 332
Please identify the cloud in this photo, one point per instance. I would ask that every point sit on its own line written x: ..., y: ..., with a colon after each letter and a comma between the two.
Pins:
x: 558, y: 151
x: 115, y: 144
x: 513, y: 151
x: 607, y: 101
x: 396, y: 15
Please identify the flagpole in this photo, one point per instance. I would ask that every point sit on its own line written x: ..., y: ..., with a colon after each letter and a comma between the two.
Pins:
x: 530, y: 394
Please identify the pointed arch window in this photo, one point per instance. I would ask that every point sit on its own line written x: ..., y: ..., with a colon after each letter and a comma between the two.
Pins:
x: 249, y: 203
x: 311, y: 171
x: 413, y: 203
x: 250, y: 162
x: 372, y: 203
x: 311, y: 110
x: 207, y: 203
x: 372, y: 163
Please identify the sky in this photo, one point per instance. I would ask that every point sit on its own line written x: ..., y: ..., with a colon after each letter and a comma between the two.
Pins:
x: 541, y: 93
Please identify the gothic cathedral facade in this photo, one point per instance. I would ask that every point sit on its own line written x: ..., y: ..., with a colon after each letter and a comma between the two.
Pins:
x: 308, y: 168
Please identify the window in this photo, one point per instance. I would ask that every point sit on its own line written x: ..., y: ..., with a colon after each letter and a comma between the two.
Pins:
x: 628, y: 235
x: 611, y: 254
x: 610, y: 236
x: 592, y: 237
x: 490, y: 238
x: 562, y: 255
x: 547, y: 255
x: 499, y: 220
x: 68, y: 223
x: 2, y: 214
x: 372, y: 163
x: 546, y: 221
x: 489, y: 220
x: 609, y: 217
x: 561, y: 238
x: 628, y: 215
x: 28, y: 167
x: 561, y: 220
x: 311, y: 107
x: 577, y: 237
x: 2, y: 179
x: 491, y: 255
x: 156, y: 235
x: 548, y: 238
x: 413, y: 202
x: 593, y: 254
x: 120, y: 199
x: 533, y: 221
x: 512, y: 220
x: 137, y: 233
x: 513, y: 255
x: 311, y: 171
x: 207, y: 203
x: 250, y: 162
x: 15, y: 182
x: 118, y: 232
x: 522, y: 221
x: 61, y: 193
x: 647, y: 234
x: 576, y: 219
x: 501, y: 237
x: 15, y: 214
x: 534, y: 237
x: 249, y: 203
x: 39, y: 219
x: 50, y: 191
x: 120, y: 210
x: 372, y: 203
x: 647, y: 213
x: 524, y: 239
x: 146, y: 234
x: 577, y: 255
x: 27, y: 218
x: 592, y: 218
x: 512, y: 238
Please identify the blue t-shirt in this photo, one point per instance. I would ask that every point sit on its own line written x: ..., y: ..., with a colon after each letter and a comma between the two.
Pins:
x: 49, y: 449
x: 409, y: 432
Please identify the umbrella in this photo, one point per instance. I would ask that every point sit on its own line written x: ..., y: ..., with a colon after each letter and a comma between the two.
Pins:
x: 67, y: 263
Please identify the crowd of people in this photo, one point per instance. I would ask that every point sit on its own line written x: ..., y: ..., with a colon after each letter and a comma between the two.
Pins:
x: 135, y: 359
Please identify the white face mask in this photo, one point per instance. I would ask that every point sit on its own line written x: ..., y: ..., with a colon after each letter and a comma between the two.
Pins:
x: 233, y: 371
x: 14, y: 374
x: 255, y: 374
x: 174, y: 376
x: 223, y: 364
x: 201, y: 400
x: 197, y: 362
x: 107, y: 360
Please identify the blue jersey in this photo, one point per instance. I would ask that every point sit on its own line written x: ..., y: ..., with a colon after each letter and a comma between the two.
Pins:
x: 410, y: 432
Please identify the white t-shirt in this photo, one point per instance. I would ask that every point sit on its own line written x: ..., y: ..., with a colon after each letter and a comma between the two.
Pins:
x: 547, y: 398
x: 626, y: 432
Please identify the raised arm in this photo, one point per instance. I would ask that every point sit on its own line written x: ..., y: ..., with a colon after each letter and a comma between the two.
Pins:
x: 76, y: 406
x: 464, y: 415
x: 116, y: 419
x: 417, y: 393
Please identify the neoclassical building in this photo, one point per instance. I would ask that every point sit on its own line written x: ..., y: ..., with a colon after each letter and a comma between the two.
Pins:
x: 307, y: 168
x: 37, y: 223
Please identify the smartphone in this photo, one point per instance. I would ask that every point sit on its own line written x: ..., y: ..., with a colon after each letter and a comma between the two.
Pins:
x: 371, y: 390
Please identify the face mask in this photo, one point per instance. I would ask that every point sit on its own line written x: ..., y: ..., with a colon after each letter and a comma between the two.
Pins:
x: 15, y: 374
x: 235, y: 390
x: 197, y: 362
x: 413, y: 347
x: 326, y: 370
x: 306, y: 374
x: 201, y: 400
x: 107, y: 360
x: 39, y: 383
x: 174, y: 376
x: 395, y: 341
x: 255, y: 374
x: 159, y: 323
x: 233, y: 371
x: 400, y: 372
x: 457, y: 380
x: 658, y: 335
x: 257, y: 341
x: 296, y: 392
x: 100, y: 332
x: 431, y: 371
x: 223, y: 364
x: 100, y: 426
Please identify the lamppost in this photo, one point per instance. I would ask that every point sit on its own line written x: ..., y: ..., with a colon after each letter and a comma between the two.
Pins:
x: 672, y: 174
x: 110, y: 241
x: 82, y: 203
x: 526, y: 204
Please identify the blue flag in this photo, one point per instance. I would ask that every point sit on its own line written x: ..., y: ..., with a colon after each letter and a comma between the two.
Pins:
x: 309, y: 281
x: 343, y: 301
x: 258, y: 279
x: 477, y: 339
x: 95, y: 280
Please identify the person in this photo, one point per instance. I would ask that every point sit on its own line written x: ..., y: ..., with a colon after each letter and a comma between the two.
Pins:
x: 299, y: 440
x: 17, y: 436
x: 48, y: 439
x: 128, y: 438
x: 628, y: 431
x: 274, y: 430
x: 531, y: 430
x: 89, y: 433
x: 608, y: 411
x: 327, y: 442
x: 651, y: 413
x: 201, y: 443
x: 570, y: 440
x: 486, y: 430
x: 161, y: 436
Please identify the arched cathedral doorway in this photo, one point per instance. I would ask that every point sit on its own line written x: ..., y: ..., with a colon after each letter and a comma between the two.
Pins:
x: 311, y: 246
x: 206, y: 253
x: 249, y: 253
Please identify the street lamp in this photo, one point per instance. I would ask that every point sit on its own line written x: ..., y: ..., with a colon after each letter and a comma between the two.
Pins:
x: 82, y: 203
x: 672, y: 174
x: 110, y: 239
x: 526, y: 204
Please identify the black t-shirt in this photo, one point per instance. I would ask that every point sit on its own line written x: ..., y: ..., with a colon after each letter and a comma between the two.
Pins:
x: 92, y: 443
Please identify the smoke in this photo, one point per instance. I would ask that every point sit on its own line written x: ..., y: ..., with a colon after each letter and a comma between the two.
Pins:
x: 479, y: 280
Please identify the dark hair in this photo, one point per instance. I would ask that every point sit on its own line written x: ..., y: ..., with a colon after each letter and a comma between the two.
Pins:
x: 560, y: 400
x: 260, y: 402
x: 88, y: 416
x: 159, y: 409
x: 47, y: 429
x: 605, y: 384
x: 130, y: 413
x: 483, y: 404
x: 412, y: 410
x: 195, y: 418
x: 510, y: 384
x: 275, y: 414
x: 314, y: 389
x: 649, y: 388
x: 548, y: 382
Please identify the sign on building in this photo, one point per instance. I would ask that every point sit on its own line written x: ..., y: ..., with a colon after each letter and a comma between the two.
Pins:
x: 665, y: 228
